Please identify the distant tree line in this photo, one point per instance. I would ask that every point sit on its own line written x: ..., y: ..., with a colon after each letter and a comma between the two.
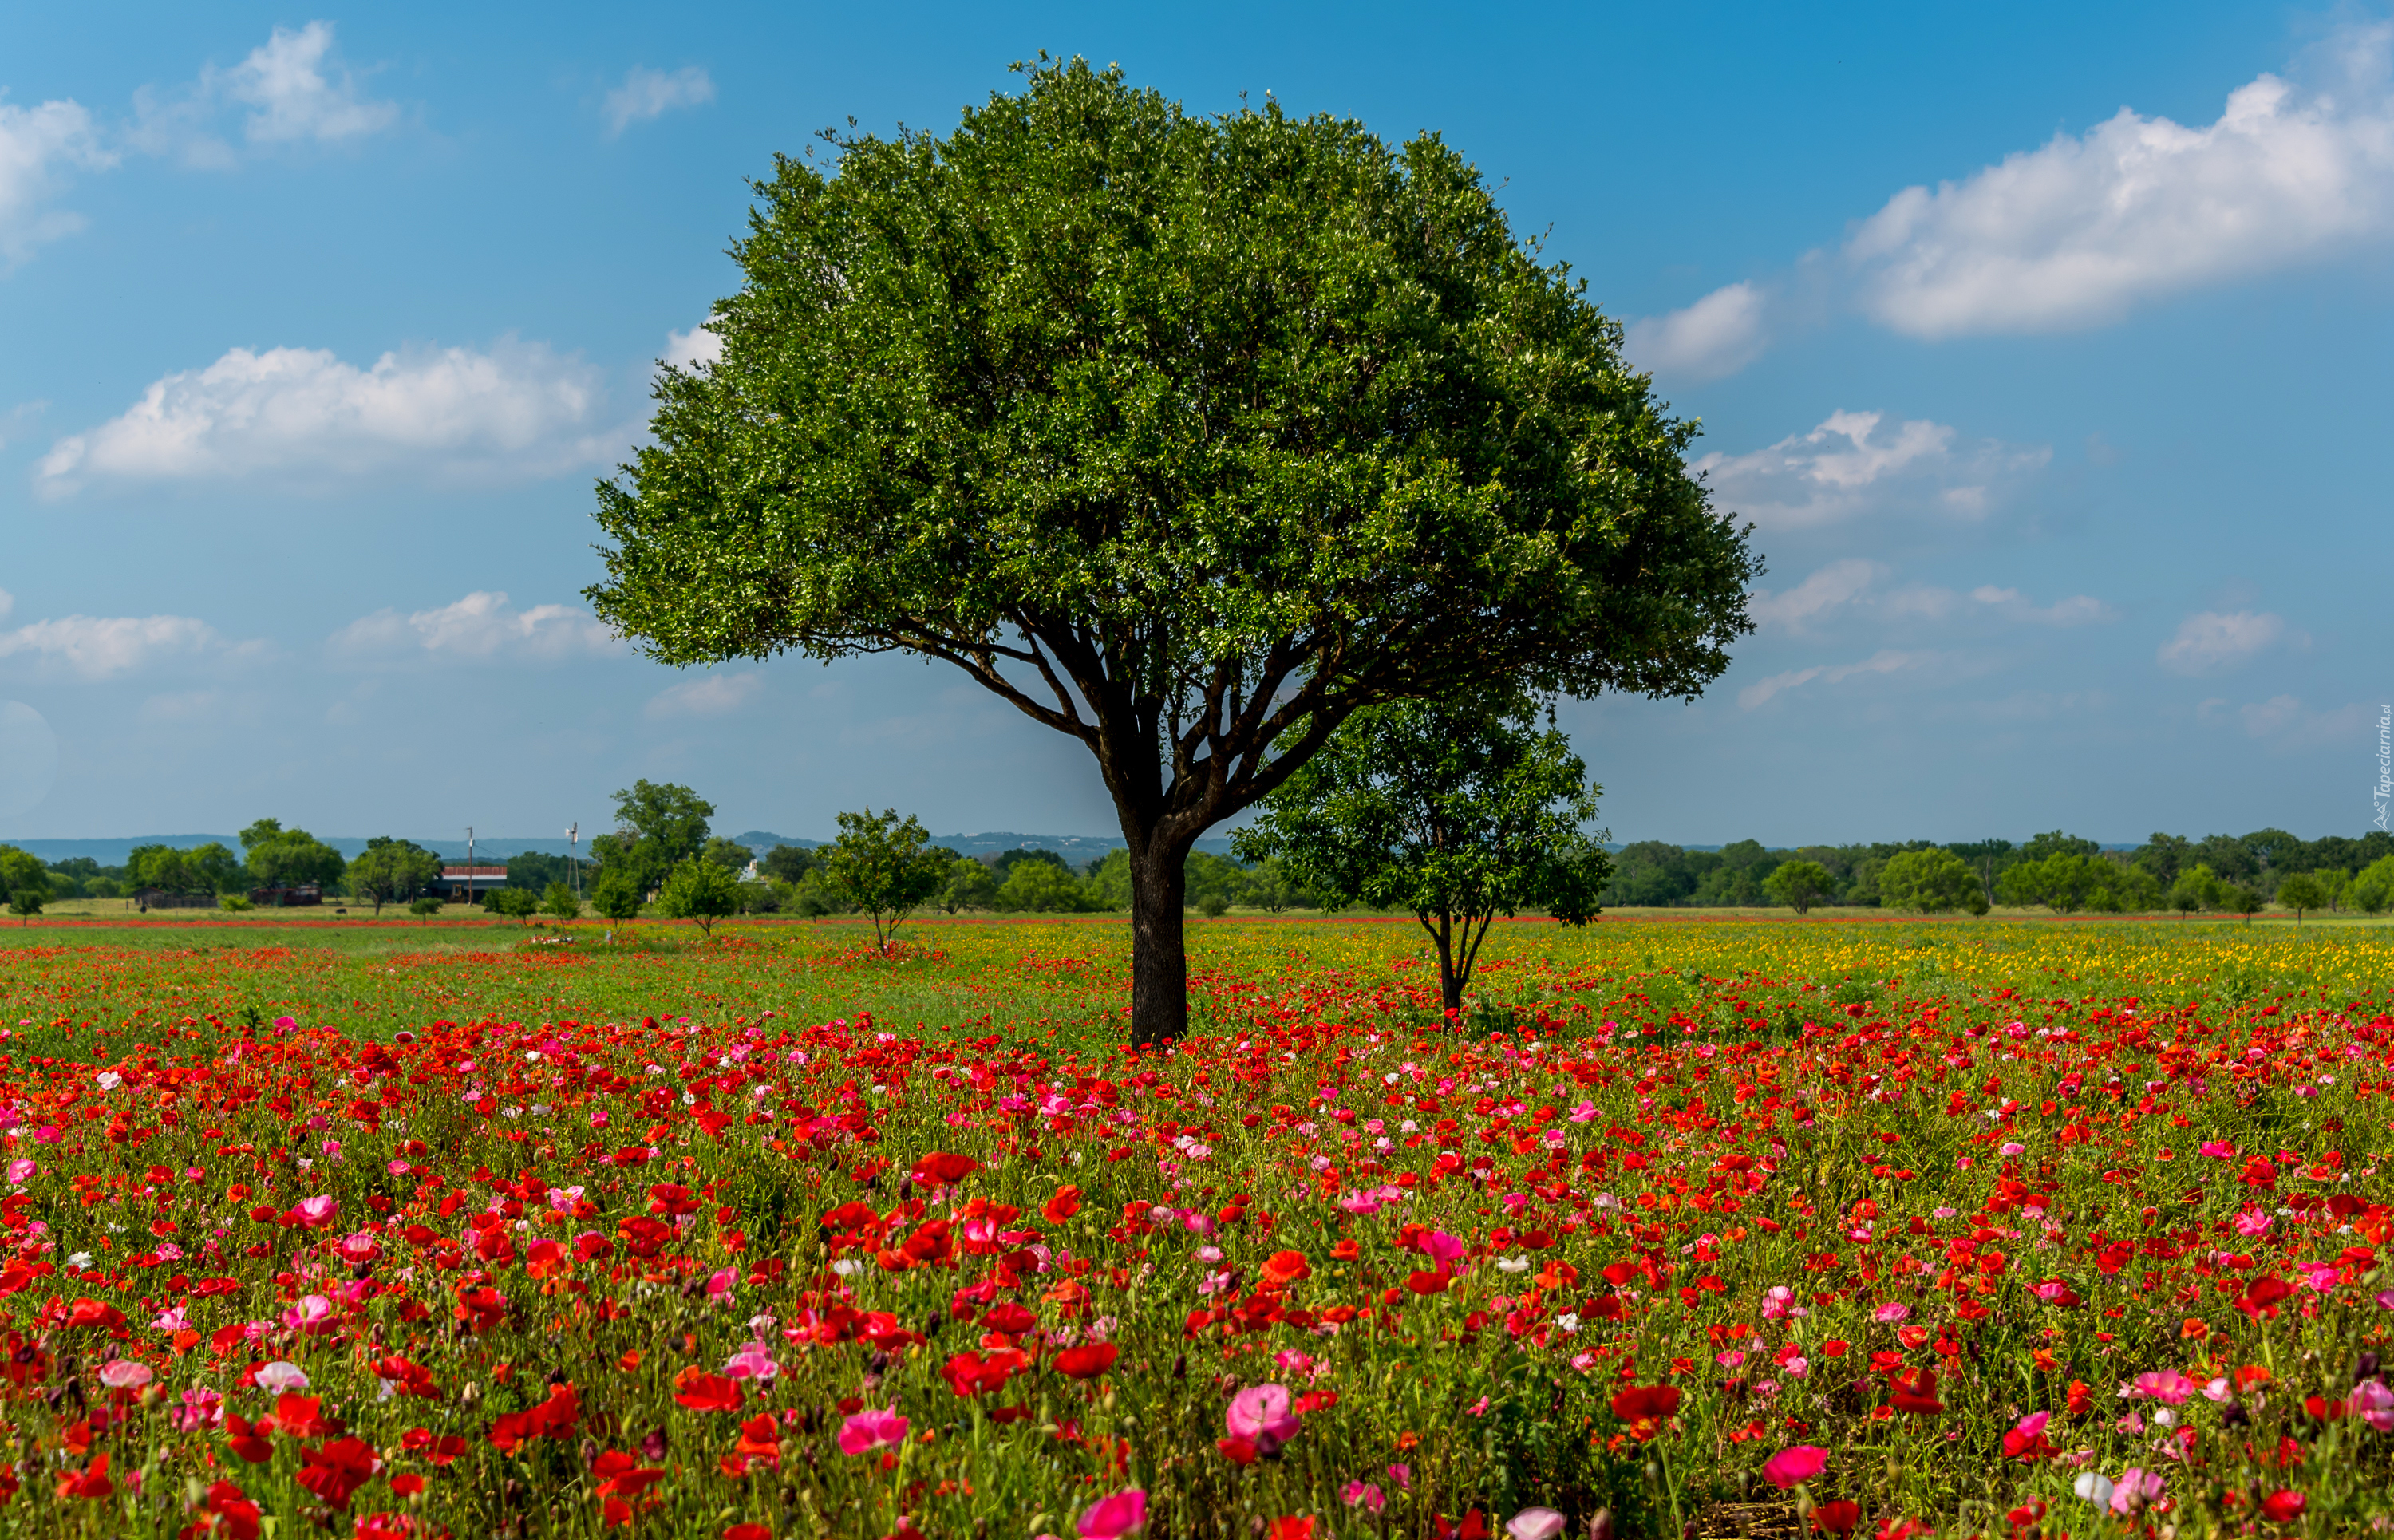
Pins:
x: 2064, y: 873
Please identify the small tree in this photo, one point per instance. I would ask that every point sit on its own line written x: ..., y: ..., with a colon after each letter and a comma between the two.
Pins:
x: 2301, y: 891
x: 699, y: 890
x: 2372, y: 890
x: 1458, y: 812
x: 1797, y: 884
x: 25, y: 882
x: 2196, y: 888
x: 1932, y: 882
x: 515, y: 903
x: 389, y: 870
x: 26, y: 902
x: 2243, y: 901
x: 617, y: 894
x: 556, y: 900
x: 423, y: 908
x: 884, y: 867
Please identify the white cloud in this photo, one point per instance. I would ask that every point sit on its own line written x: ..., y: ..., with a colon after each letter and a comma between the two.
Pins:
x: 94, y: 647
x: 481, y: 627
x: 517, y: 410
x: 697, y: 346
x: 1838, y: 584
x: 1718, y: 335
x: 2210, y: 640
x: 38, y: 147
x: 2075, y: 233
x: 284, y: 81
x: 708, y: 696
x: 187, y: 705
x: 1880, y: 663
x: 647, y: 94
x: 8, y: 602
x: 1848, y: 467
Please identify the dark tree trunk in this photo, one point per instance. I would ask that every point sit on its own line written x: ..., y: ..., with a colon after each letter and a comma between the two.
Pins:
x: 1450, y: 982
x: 1159, y: 954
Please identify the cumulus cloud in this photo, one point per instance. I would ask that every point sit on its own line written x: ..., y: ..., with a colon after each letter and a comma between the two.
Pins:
x: 690, y: 348
x: 1927, y: 603
x: 2211, y: 641
x: 481, y: 627
x: 516, y: 410
x: 91, y: 647
x: 39, y: 147
x: 708, y: 696
x: 1855, y: 463
x: 2284, y: 724
x: 646, y: 94
x: 1718, y: 335
x: 1879, y: 662
x: 2073, y: 233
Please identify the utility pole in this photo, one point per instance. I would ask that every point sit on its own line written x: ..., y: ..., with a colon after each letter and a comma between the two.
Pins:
x: 574, y: 855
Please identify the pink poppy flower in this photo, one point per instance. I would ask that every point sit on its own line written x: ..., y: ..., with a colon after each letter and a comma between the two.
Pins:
x: 319, y: 1211
x: 125, y: 1374
x: 1535, y: 1523
x: 871, y: 1428
x: 1791, y: 1466
x: 1365, y: 1495
x: 2134, y: 1489
x: 1261, y: 1413
x: 201, y: 1408
x: 2218, y: 1149
x: 2373, y: 1404
x: 1109, y: 1518
x: 2166, y: 1385
x: 21, y: 1170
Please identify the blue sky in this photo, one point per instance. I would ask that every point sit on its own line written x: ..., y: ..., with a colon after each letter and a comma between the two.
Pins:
x: 2046, y: 346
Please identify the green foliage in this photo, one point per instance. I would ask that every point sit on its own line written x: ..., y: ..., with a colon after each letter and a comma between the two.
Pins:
x: 659, y: 825
x: 425, y: 907
x: 533, y: 871
x: 21, y: 871
x: 1457, y: 810
x: 1932, y: 882
x: 1043, y: 886
x: 2073, y: 880
x: 884, y: 867
x: 287, y: 858
x: 699, y: 890
x: 235, y: 903
x: 556, y: 900
x: 2372, y: 890
x: 389, y: 870
x: 1798, y: 884
x: 786, y: 862
x: 970, y: 885
x: 1213, y: 906
x: 2194, y: 888
x: 2302, y: 891
x: 515, y: 903
x: 617, y: 894
x: 1222, y: 427
x: 730, y: 854
x: 209, y: 868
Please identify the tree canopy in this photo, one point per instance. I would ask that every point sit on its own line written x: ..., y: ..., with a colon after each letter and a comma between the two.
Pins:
x: 392, y: 871
x: 1189, y: 435
x: 886, y: 866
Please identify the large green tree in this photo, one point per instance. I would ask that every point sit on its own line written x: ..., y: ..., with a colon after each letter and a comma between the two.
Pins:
x: 1188, y: 436
x: 287, y: 858
x: 659, y: 825
x: 1458, y: 810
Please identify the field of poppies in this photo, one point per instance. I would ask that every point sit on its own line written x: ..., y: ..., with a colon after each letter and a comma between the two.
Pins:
x: 1684, y: 1228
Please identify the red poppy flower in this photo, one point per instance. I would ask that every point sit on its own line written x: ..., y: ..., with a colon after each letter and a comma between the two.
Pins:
x: 91, y: 1484
x: 702, y: 1392
x: 1087, y: 1360
x: 1838, y: 1517
x: 941, y: 1169
x: 338, y: 1469
x: 1917, y: 1396
x: 1062, y: 1206
x: 1646, y: 1402
x: 1286, y: 1266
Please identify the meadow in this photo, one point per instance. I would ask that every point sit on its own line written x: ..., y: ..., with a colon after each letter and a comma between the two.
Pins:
x: 1687, y: 1226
